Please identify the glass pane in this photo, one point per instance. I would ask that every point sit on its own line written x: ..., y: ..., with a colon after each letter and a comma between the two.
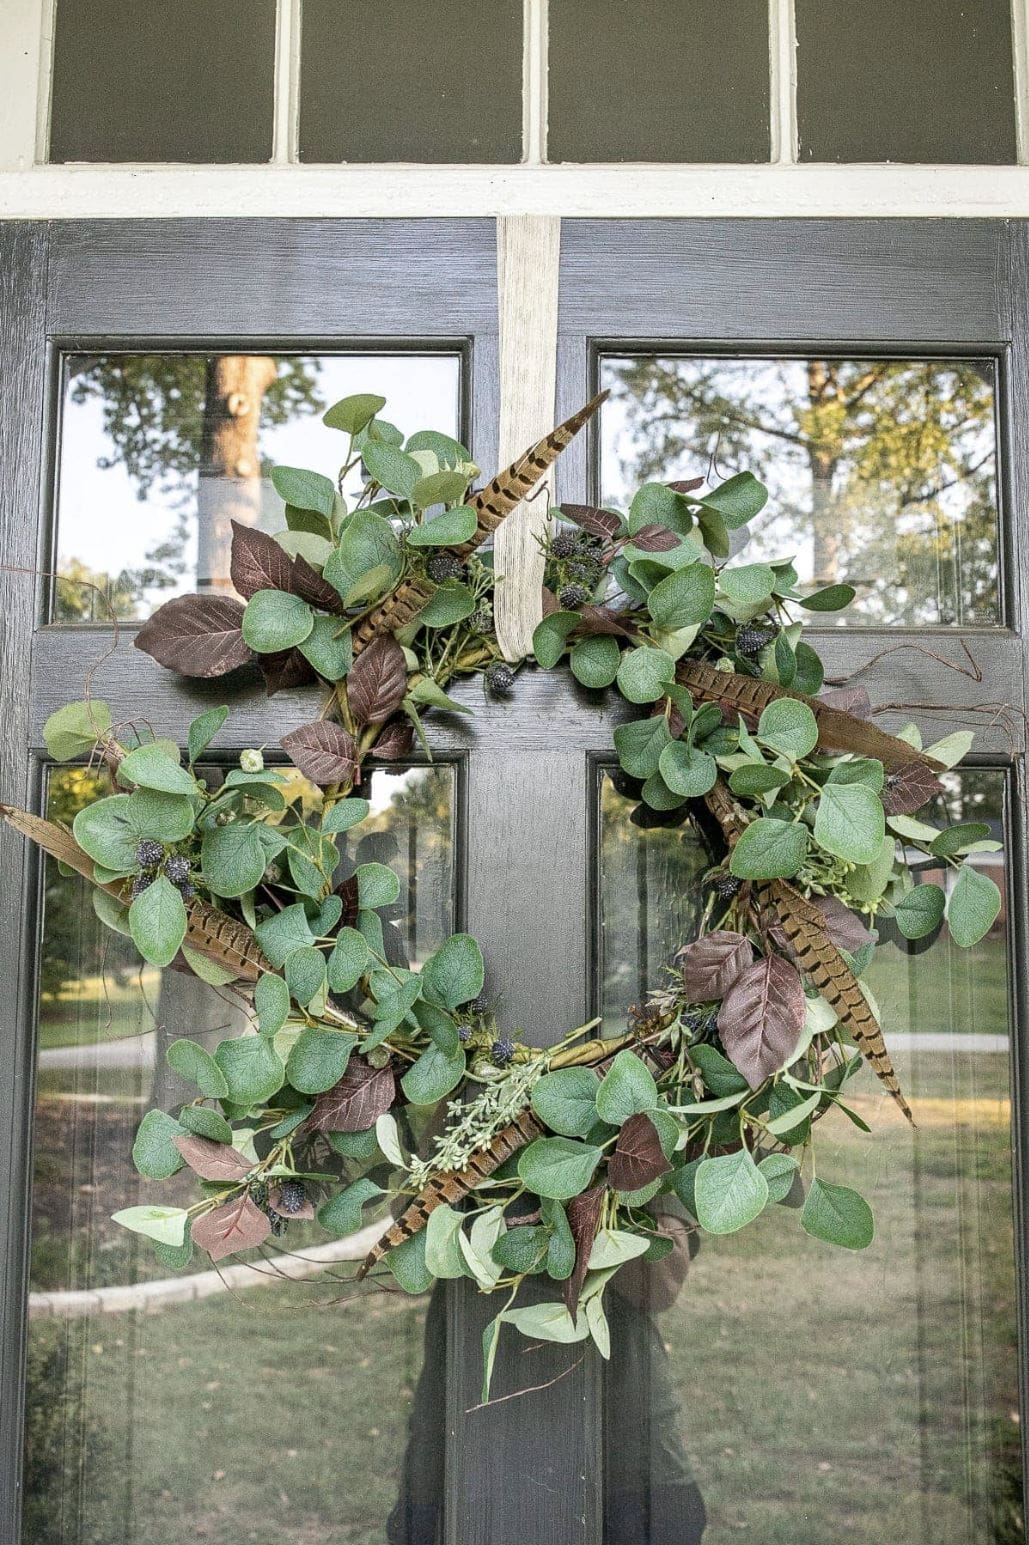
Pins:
x: 658, y: 81
x: 185, y: 82
x: 882, y: 473
x: 928, y: 80
x: 160, y: 453
x: 454, y: 86
x: 169, y: 1406
x: 800, y: 1393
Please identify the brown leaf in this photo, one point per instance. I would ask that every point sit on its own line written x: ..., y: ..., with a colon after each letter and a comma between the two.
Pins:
x: 603, y: 619
x: 309, y: 585
x: 687, y: 485
x: 655, y: 539
x: 377, y: 681
x: 762, y: 1017
x: 844, y: 927
x: 197, y: 635
x: 909, y: 789
x: 257, y: 562
x: 712, y: 964
x: 597, y: 522
x: 395, y: 742
x: 362, y: 1095
x: 583, y: 1220
x: 852, y: 700
x: 638, y: 1157
x: 346, y: 890
x: 550, y: 602
x: 323, y: 752
x: 285, y: 669
x: 236, y: 1225
x: 212, y: 1161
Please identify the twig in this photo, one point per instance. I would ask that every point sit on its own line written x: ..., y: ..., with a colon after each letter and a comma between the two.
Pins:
x: 531, y: 1389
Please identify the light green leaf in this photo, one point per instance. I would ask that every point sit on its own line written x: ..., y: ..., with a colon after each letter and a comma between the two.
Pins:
x: 548, y: 639
x: 850, y: 822
x: 329, y: 647
x: 252, y: 1068
x: 920, y: 911
x: 973, y: 907
x: 74, y: 730
x: 344, y: 814
x: 449, y: 603
x: 838, y: 1215
x: 769, y: 849
x: 342, y: 1214
x: 594, y: 661
x: 203, y: 730
x: 284, y: 932
x: 165, y: 1224
x: 348, y: 961
x: 832, y: 599
x: 613, y: 1247
x: 407, y: 1263
x: 157, y: 922
x: 566, y: 1101
x: 451, y: 527
x: 730, y: 1191
x: 686, y: 770
x: 304, y: 490
x: 558, y: 1167
x: 644, y: 673
x: 319, y: 1059
x: 353, y: 413
x: 198, y: 1067
x: 276, y: 620
x: 167, y: 817
x: 547, y: 1322
x: 392, y: 469
x: 749, y: 584
x: 151, y: 768
x: 780, y: 1172
x: 952, y: 749
x: 454, y: 974
x: 627, y: 1088
x: 233, y: 857
x: 271, y: 1002
x: 737, y: 500
x: 154, y: 1153
x: 434, y: 1075
x: 443, y: 1255
x: 756, y: 778
x: 789, y: 727
x: 305, y: 974
x: 685, y: 598
x: 640, y: 743
x: 377, y: 885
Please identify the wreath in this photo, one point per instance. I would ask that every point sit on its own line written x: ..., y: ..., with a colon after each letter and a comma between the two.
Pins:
x: 546, y: 1161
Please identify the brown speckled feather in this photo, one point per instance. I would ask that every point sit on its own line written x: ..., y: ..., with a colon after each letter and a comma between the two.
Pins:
x: 803, y: 928
x: 491, y: 504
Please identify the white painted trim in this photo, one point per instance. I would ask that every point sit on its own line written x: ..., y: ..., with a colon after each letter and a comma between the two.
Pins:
x: 782, y: 61
x: 411, y: 192
x: 1020, y: 57
x: 286, y: 125
x: 535, y: 64
x: 528, y: 262
x: 26, y: 29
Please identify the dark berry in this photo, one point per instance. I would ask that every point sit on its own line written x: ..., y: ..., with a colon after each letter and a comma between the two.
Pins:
x: 259, y: 1194
x: 443, y: 566
x: 588, y: 571
x: 141, y: 882
x: 500, y: 677
x: 177, y: 869
x: 149, y: 853
x: 564, y: 544
x: 572, y: 597
x: 277, y: 1221
x: 751, y: 641
x: 479, y: 1005
x: 481, y: 620
x: 725, y: 886
x: 586, y: 542
x: 292, y: 1196
x: 186, y: 890
x: 502, y: 1050
x: 464, y: 1033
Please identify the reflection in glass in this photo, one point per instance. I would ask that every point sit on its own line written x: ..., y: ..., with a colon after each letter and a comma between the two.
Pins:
x: 160, y: 453
x: 824, y: 1394
x: 155, y: 1414
x: 881, y: 473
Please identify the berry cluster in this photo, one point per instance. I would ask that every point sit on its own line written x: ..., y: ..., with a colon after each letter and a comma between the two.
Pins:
x: 499, y: 678
x: 152, y: 857
x: 575, y: 566
x: 444, y: 566
x: 725, y: 885
x: 750, y: 640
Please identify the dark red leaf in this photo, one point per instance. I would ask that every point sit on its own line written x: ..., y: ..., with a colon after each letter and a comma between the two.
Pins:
x: 686, y: 485
x: 236, y: 1225
x: 638, y: 1157
x: 550, y: 602
x: 258, y: 562
x: 655, y: 539
x: 395, y: 742
x: 603, y: 619
x: 762, y: 1017
x: 377, y: 681
x: 852, y: 700
x: 197, y: 635
x: 910, y: 788
x: 284, y: 670
x: 844, y: 927
x: 346, y: 890
x: 583, y: 1220
x: 212, y: 1161
x: 362, y: 1095
x: 309, y: 585
x: 597, y: 522
x: 712, y: 964
x: 323, y: 751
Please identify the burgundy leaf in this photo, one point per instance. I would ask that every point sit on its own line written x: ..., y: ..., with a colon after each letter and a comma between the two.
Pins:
x: 603, y: 619
x: 212, y: 1161
x: 309, y: 585
x: 550, y: 602
x: 910, y: 788
x: 852, y: 700
x: 655, y: 539
x: 258, y: 562
x: 844, y: 927
x: 638, y: 1157
x: 285, y: 669
x: 712, y: 964
x: 686, y: 485
x: 236, y: 1225
x: 324, y: 752
x: 395, y: 742
x: 377, y: 681
x: 346, y: 890
x: 597, y: 522
x: 197, y: 635
x: 304, y: 1212
x: 362, y: 1095
x: 762, y: 1017
x: 583, y: 1220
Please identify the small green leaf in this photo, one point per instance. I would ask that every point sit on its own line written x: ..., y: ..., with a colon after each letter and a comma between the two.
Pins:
x: 354, y: 413
x: 549, y: 636
x: 737, y: 500
x: 165, y: 1224
x: 640, y: 743
x: 152, y: 768
x: 342, y: 1214
x: 449, y: 603
x: 832, y: 599
x: 252, y: 1068
x: 443, y: 1256
x: 407, y: 1263
x: 920, y: 911
x: 284, y: 932
x: 838, y: 1215
x: 157, y: 922
x: 594, y: 661
x: 644, y: 673
x: 329, y: 647
x: 547, y: 1322
x: 757, y: 778
x: 233, y: 858
x: 305, y: 975
x: 957, y: 839
x: 275, y: 620
x: 684, y: 599
x: 392, y: 469
x: 850, y: 822
x: 377, y: 885
x: 344, y: 814
x: 686, y: 770
x: 319, y: 1059
x: 434, y: 1075
x: 454, y: 974
x: 202, y: 1121
x: 154, y: 1153
x: 203, y: 730
x: 304, y: 490
x: 74, y: 730
x: 780, y: 1171
x: 558, y: 1167
x: 769, y: 849
x: 747, y: 585
x: 198, y: 1067
x: 566, y: 1101
x: 730, y: 1191
x: 973, y: 907
x: 271, y: 1002
x: 348, y: 961
x: 789, y: 727
x: 627, y: 1088
x: 450, y: 528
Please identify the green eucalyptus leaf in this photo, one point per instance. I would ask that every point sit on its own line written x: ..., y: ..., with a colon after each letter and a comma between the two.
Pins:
x: 319, y: 1059
x: 920, y: 911
x: 454, y: 973
x: 449, y: 603
x: 252, y: 1068
x: 203, y: 730
x: 329, y: 647
x: 644, y: 673
x: 558, y: 1167
x: 566, y: 1101
x: 342, y: 1214
x: 626, y: 1089
x: 353, y: 413
x: 233, y: 857
x: 305, y: 976
x: 198, y: 1067
x: 304, y: 490
x: 640, y: 743
x: 789, y: 727
x: 271, y: 1002
x: 157, y: 921
x: 850, y: 822
x: 594, y: 661
x: 973, y: 907
x: 434, y: 1075
x: 73, y: 731
x: 548, y: 639
x: 686, y: 770
x: 154, y: 1152
x: 275, y: 620
x: 730, y: 1191
x: 838, y: 1215
x: 685, y: 598
x: 769, y: 849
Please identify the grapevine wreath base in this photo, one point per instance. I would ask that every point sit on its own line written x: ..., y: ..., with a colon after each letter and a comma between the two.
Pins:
x: 546, y: 1161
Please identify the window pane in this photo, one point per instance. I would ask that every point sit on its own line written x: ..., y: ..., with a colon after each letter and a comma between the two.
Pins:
x: 185, y: 82
x: 658, y: 81
x: 928, y: 80
x: 160, y: 453
x: 160, y: 1406
x: 411, y: 82
x: 881, y: 473
x: 801, y: 1393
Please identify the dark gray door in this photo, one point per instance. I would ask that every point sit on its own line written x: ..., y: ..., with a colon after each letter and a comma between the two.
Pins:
x: 785, y: 1396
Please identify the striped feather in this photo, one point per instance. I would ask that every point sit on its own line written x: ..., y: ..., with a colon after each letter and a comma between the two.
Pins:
x: 491, y: 504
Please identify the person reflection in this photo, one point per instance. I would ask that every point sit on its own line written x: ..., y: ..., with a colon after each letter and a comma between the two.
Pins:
x: 650, y: 1495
